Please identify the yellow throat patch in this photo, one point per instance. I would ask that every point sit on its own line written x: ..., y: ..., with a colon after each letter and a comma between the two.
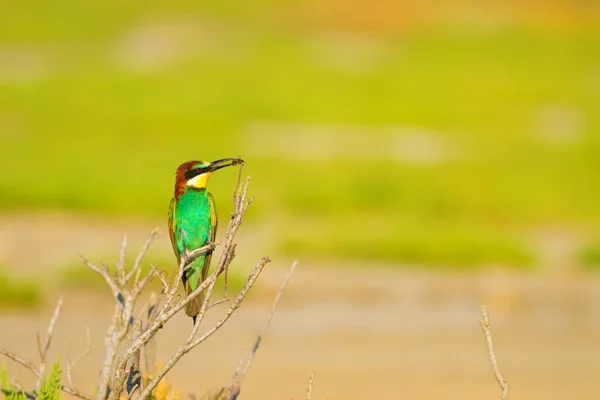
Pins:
x: 199, y: 181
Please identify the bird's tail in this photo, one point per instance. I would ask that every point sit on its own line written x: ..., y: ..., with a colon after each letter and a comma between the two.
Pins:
x: 192, y: 309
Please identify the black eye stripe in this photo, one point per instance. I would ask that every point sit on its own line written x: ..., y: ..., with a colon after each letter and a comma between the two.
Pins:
x: 192, y: 173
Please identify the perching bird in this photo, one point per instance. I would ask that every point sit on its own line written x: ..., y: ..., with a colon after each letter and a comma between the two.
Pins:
x: 193, y: 222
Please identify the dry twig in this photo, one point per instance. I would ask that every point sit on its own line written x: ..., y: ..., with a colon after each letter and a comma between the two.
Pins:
x: 19, y: 360
x: 233, y: 389
x: 43, y: 350
x: 87, y: 350
x: 485, y: 325
x: 120, y: 370
x: 190, y: 343
x: 172, y: 304
x: 311, y: 380
x: 126, y: 294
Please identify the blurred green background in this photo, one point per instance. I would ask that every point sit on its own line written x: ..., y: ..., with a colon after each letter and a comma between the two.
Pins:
x: 442, y: 133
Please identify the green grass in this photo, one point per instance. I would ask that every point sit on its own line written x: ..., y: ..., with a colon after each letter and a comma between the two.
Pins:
x: 18, y: 292
x: 92, y: 135
x: 416, y: 244
x: 589, y: 256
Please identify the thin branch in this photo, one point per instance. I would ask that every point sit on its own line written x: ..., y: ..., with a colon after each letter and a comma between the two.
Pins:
x: 236, y: 303
x: 135, y: 380
x: 122, y: 256
x: 109, y: 355
x: 104, y: 272
x: 172, y: 304
x: 217, y: 302
x: 232, y: 391
x: 239, y: 378
x: 160, y: 276
x: 44, y: 350
x: 76, y: 393
x: 186, y: 347
x: 167, y: 311
x: 485, y: 325
x: 150, y: 345
x: 309, y: 389
x: 19, y: 360
x: 140, y: 256
x: 87, y: 350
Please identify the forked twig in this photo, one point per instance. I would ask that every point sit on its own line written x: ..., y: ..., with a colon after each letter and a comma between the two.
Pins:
x: 232, y: 391
x: 267, y: 321
x: 87, y: 350
x: 485, y: 325
x: 19, y: 360
x: 127, y: 285
x: 190, y: 343
x: 141, y: 254
x: 43, y: 350
x: 172, y: 303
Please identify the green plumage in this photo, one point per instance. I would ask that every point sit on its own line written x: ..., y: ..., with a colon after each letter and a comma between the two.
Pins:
x: 193, y: 223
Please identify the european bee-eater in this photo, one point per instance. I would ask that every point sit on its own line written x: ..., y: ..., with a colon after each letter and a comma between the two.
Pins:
x: 193, y: 221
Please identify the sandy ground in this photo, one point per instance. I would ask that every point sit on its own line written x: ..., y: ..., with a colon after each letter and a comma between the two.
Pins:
x: 367, y: 333
x: 381, y: 334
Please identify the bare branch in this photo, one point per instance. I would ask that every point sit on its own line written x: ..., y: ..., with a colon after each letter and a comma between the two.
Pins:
x: 110, y: 350
x: 43, y: 354
x: 485, y: 325
x: 140, y: 256
x: 238, y: 379
x: 150, y: 345
x: 189, y: 344
x: 44, y: 349
x: 87, y: 350
x: 134, y: 381
x: 19, y: 360
x: 236, y: 303
x: 71, y: 389
x: 172, y: 304
x: 168, y: 310
x: 76, y: 393
x: 310, y: 386
x: 217, y: 302
x: 232, y: 391
x: 104, y: 273
x: 122, y: 256
x: 160, y: 276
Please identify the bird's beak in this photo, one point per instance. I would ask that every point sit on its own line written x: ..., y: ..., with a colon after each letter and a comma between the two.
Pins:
x: 225, y: 162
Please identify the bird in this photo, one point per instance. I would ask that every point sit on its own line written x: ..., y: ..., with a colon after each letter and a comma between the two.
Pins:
x: 193, y: 222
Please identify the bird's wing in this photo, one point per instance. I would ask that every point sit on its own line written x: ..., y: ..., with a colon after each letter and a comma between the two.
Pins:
x: 172, y: 219
x: 213, y: 234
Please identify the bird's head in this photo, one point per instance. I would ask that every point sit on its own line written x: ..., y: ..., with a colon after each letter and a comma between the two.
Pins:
x: 195, y: 174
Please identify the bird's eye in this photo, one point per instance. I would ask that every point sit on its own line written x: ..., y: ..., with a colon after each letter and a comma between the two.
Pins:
x: 198, y: 170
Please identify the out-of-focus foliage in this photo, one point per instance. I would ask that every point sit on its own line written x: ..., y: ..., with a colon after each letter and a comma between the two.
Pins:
x: 17, y: 292
x: 589, y: 256
x: 373, y: 129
